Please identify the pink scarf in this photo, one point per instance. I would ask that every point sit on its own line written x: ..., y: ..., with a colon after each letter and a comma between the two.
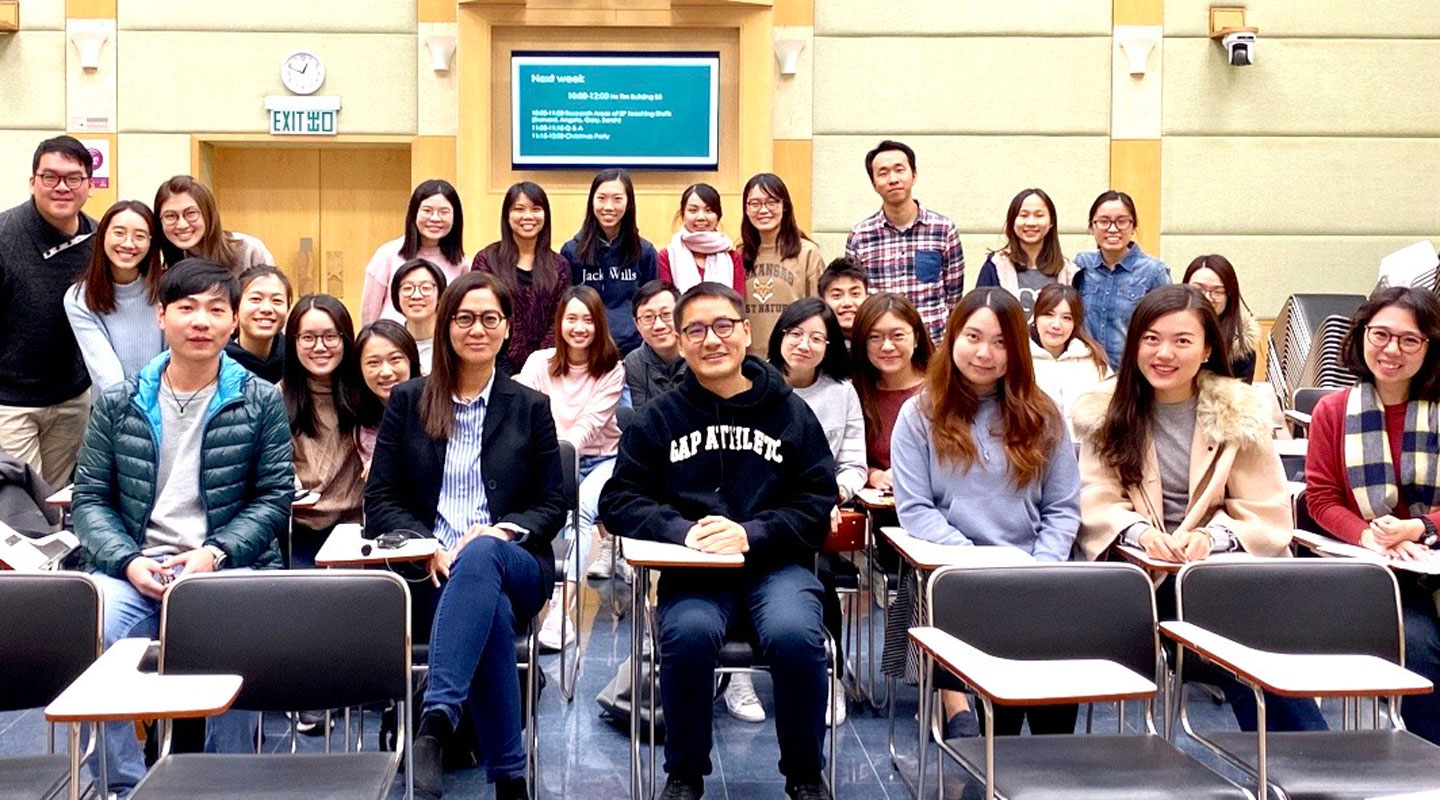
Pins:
x: 719, y: 266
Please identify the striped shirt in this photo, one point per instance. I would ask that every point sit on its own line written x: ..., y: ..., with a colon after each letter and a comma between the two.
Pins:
x: 462, y: 487
x: 924, y: 262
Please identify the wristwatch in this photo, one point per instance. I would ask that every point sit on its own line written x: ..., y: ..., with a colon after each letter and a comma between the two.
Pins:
x: 218, y: 554
x: 1430, y: 538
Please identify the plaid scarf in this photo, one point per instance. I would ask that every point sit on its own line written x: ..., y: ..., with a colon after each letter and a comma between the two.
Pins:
x: 1368, y: 462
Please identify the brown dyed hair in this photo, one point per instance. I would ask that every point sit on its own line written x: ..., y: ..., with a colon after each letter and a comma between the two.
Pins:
x: 602, y: 355
x: 216, y: 245
x: 1051, y: 260
x: 1052, y: 296
x: 1422, y: 304
x: 1128, y: 419
x: 437, y: 404
x: 1031, y: 422
x: 866, y: 377
x: 99, y: 282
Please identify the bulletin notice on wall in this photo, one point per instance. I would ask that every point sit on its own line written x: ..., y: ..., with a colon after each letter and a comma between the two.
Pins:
x: 639, y: 110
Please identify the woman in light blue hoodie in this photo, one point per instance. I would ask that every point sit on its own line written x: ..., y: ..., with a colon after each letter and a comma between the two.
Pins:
x: 982, y: 457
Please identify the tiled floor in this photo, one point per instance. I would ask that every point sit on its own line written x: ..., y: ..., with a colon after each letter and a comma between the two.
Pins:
x: 583, y: 756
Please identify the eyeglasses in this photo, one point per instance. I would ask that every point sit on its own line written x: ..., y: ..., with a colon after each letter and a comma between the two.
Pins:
x: 795, y: 336
x: 1210, y: 292
x: 649, y: 317
x: 73, y: 180
x: 191, y: 215
x: 1121, y: 224
x: 308, y: 340
x: 899, y: 337
x: 436, y: 213
x: 489, y: 320
x: 1409, y: 343
x: 769, y: 204
x: 724, y: 328
x: 417, y: 289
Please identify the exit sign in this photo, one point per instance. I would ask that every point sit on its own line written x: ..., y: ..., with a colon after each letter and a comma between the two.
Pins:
x: 302, y: 116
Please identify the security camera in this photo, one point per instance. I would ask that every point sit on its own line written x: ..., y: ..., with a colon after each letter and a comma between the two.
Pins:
x: 1241, y: 47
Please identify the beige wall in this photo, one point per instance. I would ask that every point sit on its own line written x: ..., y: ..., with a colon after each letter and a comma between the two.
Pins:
x: 943, y: 77
x: 32, y: 103
x: 1308, y: 167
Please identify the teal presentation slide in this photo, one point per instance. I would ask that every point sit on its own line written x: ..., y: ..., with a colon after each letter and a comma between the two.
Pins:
x: 654, y: 110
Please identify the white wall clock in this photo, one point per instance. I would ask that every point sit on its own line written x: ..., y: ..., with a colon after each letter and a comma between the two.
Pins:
x: 302, y: 72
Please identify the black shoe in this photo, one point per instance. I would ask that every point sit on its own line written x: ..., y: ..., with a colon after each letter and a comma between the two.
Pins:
x: 964, y: 725
x: 430, y: 738
x: 807, y: 790
x: 511, y: 789
x: 683, y: 789
x: 312, y: 723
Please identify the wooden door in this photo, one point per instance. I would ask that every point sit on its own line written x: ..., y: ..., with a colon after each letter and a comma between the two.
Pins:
x: 363, y: 197
x: 274, y: 194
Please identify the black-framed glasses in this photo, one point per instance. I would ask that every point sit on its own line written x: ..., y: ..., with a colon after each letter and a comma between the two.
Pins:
x: 1120, y: 224
x: 724, y: 328
x: 648, y: 318
x: 73, y: 180
x: 330, y: 339
x: 489, y: 320
x: 1409, y: 343
x: 191, y: 215
x: 1210, y: 292
x: 769, y: 204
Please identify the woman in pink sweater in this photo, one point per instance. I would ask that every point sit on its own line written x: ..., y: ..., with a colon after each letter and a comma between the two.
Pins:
x: 583, y: 377
x: 1371, y: 474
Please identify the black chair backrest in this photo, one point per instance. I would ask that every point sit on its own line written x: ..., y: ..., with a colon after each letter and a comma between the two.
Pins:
x: 1307, y: 397
x: 570, y: 475
x: 1296, y: 605
x: 49, y: 634
x: 1050, y: 611
x: 307, y: 639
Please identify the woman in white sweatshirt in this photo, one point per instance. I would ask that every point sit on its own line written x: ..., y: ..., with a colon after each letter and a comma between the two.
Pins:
x: 1068, y: 363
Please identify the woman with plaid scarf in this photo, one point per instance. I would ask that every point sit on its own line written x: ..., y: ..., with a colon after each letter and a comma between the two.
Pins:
x: 1371, y: 474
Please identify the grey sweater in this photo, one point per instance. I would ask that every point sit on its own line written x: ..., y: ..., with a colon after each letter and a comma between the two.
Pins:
x: 116, y: 345
x: 39, y: 361
x: 837, y: 406
x: 938, y: 502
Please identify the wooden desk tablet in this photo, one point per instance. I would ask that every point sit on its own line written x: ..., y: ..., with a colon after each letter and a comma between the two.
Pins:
x: 345, y: 547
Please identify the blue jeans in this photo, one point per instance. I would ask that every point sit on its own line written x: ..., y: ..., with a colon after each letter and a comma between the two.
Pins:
x: 695, y: 613
x: 131, y: 614
x: 1421, y: 712
x: 594, y: 472
x: 472, y: 646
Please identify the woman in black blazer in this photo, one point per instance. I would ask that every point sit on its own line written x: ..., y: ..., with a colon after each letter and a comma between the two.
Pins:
x: 469, y: 457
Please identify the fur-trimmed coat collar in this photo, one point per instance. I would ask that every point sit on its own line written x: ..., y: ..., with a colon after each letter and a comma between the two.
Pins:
x: 1227, y: 410
x: 1249, y: 334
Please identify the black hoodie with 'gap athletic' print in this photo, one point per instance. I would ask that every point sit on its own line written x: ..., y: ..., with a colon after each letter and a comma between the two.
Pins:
x: 759, y: 458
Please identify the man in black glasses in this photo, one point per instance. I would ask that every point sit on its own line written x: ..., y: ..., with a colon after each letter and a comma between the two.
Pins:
x: 731, y: 461
x: 45, y: 244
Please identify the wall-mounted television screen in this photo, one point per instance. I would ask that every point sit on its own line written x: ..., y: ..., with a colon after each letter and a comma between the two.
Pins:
x: 652, y: 110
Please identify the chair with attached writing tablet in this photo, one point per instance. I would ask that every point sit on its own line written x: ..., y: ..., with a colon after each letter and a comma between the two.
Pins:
x: 1048, y: 634
x: 570, y: 487
x: 1309, y: 628
x: 345, y: 643
x: 50, y: 624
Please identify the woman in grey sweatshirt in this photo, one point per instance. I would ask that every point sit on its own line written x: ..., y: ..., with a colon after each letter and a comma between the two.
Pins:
x: 112, y: 308
x: 982, y: 457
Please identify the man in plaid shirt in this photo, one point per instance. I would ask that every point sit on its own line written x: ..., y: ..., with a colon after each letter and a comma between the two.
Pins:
x: 904, y: 247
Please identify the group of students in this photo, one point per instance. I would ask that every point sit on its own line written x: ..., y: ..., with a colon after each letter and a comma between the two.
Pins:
x: 757, y: 415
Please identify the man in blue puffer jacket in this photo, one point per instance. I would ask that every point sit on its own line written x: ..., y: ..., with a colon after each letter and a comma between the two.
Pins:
x: 186, y: 468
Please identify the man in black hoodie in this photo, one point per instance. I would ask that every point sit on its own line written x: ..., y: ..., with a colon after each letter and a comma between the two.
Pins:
x: 731, y: 462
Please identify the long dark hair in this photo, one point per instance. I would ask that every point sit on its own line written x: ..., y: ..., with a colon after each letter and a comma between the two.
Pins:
x: 602, y: 355
x: 835, y: 362
x: 1053, y: 295
x: 372, y: 408
x: 787, y: 237
x: 343, y: 381
x: 866, y: 377
x: 1031, y: 421
x: 452, y: 244
x: 437, y: 404
x: 216, y: 244
x: 97, y: 278
x: 1422, y: 304
x: 1050, y: 260
x: 1232, y: 321
x: 591, y: 233
x: 506, y: 253
x: 1128, y: 419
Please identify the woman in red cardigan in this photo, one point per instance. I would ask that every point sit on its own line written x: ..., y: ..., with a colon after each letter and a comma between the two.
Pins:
x: 1372, y: 475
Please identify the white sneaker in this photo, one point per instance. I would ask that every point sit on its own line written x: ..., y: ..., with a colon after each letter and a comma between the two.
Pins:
x: 623, y: 570
x: 603, y: 553
x: 740, y: 699
x: 549, y: 635
x: 839, y: 708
